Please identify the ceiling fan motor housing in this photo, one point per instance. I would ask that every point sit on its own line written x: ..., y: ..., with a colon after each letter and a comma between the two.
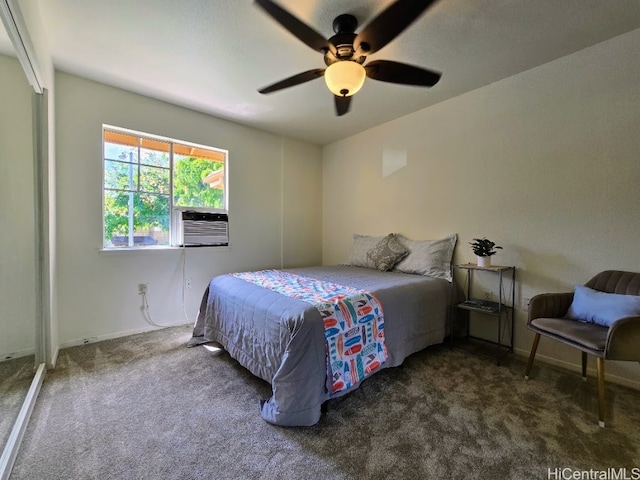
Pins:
x: 344, y: 27
x: 345, y: 23
x: 344, y: 47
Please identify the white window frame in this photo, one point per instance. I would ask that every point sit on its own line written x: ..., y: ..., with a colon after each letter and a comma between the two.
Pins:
x: 175, y: 236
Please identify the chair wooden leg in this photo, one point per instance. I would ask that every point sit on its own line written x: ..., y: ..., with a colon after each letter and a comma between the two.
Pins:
x: 534, y: 347
x: 584, y: 366
x: 601, y: 406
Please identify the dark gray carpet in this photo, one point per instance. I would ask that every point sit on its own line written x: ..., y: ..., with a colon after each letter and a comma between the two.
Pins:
x: 147, y: 407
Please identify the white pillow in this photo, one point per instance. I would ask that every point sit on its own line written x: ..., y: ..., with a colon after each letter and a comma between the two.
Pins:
x: 361, y: 245
x: 428, y: 257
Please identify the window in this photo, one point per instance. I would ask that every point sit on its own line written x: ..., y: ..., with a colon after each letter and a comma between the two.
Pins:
x: 149, y: 180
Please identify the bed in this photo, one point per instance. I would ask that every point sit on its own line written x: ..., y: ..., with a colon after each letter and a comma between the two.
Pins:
x: 283, y: 340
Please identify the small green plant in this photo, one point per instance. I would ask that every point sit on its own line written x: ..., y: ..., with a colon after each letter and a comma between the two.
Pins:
x: 483, y: 247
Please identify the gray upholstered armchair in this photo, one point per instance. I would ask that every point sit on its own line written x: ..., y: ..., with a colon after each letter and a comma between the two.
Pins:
x: 548, y: 314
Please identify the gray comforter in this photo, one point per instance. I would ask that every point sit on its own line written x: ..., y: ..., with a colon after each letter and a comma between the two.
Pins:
x: 281, y: 339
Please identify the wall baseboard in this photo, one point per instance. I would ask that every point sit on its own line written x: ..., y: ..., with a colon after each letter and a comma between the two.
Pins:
x: 111, y: 336
x: 11, y: 355
x: 574, y: 367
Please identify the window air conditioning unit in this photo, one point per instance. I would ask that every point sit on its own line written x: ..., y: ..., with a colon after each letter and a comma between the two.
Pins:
x: 204, y: 229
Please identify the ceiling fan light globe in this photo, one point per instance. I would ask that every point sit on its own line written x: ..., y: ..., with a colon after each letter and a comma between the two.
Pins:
x: 344, y: 78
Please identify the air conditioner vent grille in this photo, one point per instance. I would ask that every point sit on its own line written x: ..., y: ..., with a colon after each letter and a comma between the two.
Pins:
x: 201, y: 228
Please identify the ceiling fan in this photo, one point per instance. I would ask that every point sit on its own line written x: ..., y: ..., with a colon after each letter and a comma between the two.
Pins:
x: 346, y: 51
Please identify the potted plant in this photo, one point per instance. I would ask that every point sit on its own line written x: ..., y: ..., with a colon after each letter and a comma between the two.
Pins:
x: 483, y: 249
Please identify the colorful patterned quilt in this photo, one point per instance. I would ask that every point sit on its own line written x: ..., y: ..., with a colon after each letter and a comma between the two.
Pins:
x: 353, y: 323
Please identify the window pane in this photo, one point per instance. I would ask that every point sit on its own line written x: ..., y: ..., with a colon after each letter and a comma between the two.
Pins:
x: 116, y: 151
x: 116, y: 217
x: 153, y: 179
x: 198, y: 182
x: 151, y: 219
x: 154, y: 157
x: 150, y: 215
x: 116, y: 175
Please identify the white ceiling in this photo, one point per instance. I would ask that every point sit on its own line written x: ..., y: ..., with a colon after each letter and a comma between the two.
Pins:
x: 213, y: 55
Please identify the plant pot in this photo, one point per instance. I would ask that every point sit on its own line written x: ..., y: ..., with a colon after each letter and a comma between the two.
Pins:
x: 483, y: 261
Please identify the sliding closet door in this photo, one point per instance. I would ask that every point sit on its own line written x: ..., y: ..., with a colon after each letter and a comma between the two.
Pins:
x: 24, y: 236
x: 18, y: 294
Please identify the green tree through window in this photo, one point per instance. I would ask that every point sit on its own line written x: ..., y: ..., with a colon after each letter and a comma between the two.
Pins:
x: 189, y: 188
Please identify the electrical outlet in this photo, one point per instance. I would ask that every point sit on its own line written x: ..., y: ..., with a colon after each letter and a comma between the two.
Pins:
x: 526, y: 301
x: 188, y: 283
x: 488, y: 295
x: 142, y: 289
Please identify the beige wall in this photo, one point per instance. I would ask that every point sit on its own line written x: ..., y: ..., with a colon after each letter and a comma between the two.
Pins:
x: 97, y: 291
x: 302, y: 189
x: 545, y: 163
x: 17, y: 215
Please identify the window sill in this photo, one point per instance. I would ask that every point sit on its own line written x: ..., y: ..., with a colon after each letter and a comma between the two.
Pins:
x: 155, y: 249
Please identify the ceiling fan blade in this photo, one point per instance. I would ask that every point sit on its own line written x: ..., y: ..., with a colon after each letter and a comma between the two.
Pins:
x: 294, y: 80
x: 342, y: 104
x: 299, y: 29
x: 396, y: 72
x: 390, y: 23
